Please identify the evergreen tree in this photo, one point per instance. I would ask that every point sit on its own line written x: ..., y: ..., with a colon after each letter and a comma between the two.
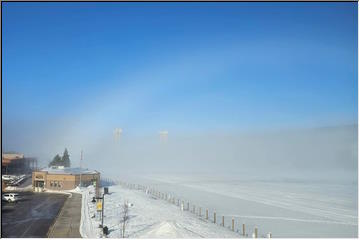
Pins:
x: 57, y: 161
x: 66, y: 158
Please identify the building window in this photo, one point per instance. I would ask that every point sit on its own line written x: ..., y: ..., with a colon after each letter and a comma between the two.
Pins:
x: 55, y: 184
x: 51, y: 184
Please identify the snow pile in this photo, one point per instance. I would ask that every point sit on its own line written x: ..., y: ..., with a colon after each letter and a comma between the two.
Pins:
x: 77, y: 190
x: 19, y: 189
x: 168, y: 229
x: 149, y: 217
x: 88, y: 228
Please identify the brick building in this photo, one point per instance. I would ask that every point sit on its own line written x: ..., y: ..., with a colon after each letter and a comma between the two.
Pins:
x: 17, y: 163
x: 61, y: 178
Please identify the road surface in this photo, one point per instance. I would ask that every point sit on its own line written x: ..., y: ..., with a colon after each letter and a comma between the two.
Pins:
x: 32, y: 216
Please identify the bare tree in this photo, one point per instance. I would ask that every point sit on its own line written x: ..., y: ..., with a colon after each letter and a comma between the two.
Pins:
x: 124, y: 220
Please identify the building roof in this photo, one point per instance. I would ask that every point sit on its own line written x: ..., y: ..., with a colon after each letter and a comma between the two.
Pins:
x: 68, y: 171
x: 12, y: 155
x: 7, y: 158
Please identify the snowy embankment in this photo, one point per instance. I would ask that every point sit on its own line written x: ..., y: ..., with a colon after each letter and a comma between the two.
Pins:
x: 149, y: 217
x: 19, y: 189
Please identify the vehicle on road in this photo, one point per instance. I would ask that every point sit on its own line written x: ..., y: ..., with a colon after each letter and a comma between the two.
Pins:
x: 10, y: 197
x: 8, y: 177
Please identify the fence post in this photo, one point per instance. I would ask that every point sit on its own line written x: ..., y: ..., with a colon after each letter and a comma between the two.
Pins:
x: 207, y: 214
x: 232, y: 225
x: 243, y: 229
x: 214, y: 217
x: 223, y: 221
x: 256, y: 232
x: 188, y: 206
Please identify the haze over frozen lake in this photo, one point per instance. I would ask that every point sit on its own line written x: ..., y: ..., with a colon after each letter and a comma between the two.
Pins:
x: 298, y: 183
x: 287, y: 207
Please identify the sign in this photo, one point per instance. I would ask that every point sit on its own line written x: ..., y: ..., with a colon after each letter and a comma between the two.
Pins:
x: 99, y: 205
x: 39, y: 177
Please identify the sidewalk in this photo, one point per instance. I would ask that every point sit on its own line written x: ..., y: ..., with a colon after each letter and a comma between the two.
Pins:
x: 67, y: 224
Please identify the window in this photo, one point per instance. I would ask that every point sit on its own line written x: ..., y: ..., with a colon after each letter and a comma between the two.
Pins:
x: 51, y: 184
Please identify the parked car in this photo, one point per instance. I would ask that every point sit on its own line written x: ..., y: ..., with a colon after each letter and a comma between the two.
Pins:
x: 8, y: 177
x: 11, y: 197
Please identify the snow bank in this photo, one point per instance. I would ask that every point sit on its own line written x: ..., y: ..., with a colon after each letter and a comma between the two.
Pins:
x: 149, y: 217
x: 88, y: 229
x: 19, y: 189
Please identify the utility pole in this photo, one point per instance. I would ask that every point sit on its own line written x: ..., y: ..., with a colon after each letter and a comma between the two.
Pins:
x: 102, y: 211
x: 81, y: 157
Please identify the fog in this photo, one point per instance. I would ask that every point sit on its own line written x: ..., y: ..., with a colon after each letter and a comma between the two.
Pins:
x: 324, y: 152
x: 212, y: 132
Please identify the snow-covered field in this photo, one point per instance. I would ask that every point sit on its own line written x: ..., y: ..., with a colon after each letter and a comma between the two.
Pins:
x: 285, y: 208
x: 150, y: 217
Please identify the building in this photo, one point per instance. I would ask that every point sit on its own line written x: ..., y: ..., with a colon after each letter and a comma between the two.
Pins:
x: 63, y: 178
x: 17, y: 163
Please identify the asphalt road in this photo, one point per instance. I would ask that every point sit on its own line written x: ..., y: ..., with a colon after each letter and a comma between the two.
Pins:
x: 32, y: 216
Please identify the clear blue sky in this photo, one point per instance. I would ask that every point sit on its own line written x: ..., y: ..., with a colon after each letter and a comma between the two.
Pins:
x: 179, y: 66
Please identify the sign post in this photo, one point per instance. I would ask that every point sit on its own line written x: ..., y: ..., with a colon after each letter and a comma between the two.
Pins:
x: 102, y: 212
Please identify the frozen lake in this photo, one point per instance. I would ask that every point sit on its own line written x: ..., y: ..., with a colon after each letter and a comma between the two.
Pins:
x: 286, y: 208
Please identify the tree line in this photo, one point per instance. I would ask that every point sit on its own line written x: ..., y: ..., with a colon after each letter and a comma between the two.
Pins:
x: 63, y: 160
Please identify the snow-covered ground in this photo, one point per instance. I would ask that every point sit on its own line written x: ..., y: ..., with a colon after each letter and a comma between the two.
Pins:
x: 287, y: 208
x: 150, y: 217
x: 19, y: 189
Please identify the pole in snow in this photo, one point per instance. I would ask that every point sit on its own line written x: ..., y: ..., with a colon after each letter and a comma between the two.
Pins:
x: 102, y: 211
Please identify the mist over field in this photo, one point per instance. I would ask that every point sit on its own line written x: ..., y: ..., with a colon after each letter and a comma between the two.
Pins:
x: 287, y: 152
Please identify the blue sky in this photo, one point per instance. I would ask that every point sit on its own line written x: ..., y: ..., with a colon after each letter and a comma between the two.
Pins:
x: 182, y: 67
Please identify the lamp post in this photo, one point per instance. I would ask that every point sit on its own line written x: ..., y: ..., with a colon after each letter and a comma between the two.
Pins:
x: 102, y: 211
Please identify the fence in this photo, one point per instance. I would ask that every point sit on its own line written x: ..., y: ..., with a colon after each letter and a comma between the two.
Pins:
x: 233, y: 223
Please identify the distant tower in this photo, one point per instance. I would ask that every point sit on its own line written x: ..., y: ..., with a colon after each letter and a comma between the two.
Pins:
x: 117, y: 134
x: 163, y: 136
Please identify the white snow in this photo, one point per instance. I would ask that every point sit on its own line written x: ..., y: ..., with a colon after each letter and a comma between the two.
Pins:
x: 301, y: 208
x: 88, y: 227
x: 19, y: 189
x: 150, y: 217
